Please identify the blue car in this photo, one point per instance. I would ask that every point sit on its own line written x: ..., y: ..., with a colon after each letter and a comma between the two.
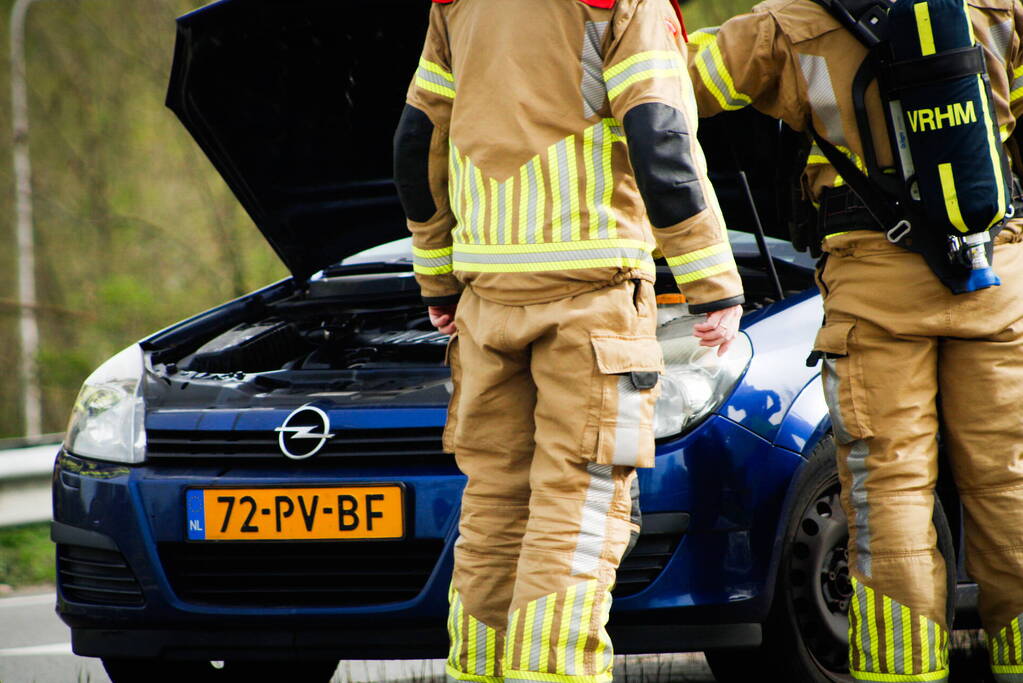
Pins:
x: 263, y: 486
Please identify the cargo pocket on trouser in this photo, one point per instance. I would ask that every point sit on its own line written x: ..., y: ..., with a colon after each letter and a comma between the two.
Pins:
x: 452, y: 360
x: 843, y: 381
x: 628, y: 373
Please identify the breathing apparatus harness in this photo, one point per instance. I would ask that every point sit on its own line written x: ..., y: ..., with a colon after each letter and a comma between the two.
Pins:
x: 952, y: 190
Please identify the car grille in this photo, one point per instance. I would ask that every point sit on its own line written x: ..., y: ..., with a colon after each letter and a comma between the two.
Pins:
x: 99, y: 577
x: 412, y: 444
x: 296, y: 574
x: 657, y: 542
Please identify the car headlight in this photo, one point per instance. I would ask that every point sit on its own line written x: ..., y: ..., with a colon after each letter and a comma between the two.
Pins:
x: 696, y: 381
x: 107, y: 422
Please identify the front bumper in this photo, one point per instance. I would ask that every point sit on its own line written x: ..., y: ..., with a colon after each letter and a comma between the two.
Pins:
x: 707, y: 592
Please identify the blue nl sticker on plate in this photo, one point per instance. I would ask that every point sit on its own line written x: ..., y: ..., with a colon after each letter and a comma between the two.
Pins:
x: 196, y: 511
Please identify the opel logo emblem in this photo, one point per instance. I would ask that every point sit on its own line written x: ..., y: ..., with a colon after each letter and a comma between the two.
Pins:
x: 304, y: 432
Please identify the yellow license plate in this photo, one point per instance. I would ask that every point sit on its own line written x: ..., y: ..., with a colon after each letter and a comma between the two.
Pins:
x: 372, y: 511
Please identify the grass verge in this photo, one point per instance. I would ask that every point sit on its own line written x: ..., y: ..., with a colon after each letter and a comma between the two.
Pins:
x: 26, y: 555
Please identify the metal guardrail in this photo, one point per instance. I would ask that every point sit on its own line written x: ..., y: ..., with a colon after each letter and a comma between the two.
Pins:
x: 26, y: 465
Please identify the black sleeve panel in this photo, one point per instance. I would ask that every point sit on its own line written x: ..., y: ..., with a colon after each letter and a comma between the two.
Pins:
x: 659, y: 148
x: 412, y: 164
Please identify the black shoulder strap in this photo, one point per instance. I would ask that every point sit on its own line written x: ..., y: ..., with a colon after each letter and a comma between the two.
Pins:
x: 880, y: 206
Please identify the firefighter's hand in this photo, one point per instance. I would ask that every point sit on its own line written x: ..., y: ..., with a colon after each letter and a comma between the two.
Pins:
x: 443, y: 318
x: 720, y: 328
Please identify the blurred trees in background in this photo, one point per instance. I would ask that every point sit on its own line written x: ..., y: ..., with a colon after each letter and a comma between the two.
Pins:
x: 134, y: 228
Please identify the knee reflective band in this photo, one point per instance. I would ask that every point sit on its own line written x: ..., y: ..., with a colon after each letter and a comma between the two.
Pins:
x: 412, y: 164
x: 475, y: 647
x: 888, y: 643
x: 666, y: 174
x: 1006, y: 649
x: 561, y: 637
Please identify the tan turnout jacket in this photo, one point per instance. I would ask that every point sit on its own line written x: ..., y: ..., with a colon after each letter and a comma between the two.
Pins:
x: 529, y: 168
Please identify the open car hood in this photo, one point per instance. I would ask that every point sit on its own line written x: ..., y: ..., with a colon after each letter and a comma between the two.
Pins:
x: 295, y: 102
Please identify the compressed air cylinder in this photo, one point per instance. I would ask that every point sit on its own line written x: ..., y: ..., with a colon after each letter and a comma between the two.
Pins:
x: 939, y: 81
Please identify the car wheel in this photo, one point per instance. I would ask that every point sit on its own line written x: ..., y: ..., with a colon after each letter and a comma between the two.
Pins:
x: 806, y: 635
x: 231, y: 671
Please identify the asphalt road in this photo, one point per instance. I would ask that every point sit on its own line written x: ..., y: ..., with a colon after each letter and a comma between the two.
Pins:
x: 35, y: 647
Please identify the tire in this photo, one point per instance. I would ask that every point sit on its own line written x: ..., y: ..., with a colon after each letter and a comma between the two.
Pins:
x: 806, y: 635
x: 231, y: 671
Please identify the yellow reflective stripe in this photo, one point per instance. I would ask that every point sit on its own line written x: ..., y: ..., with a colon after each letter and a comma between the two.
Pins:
x: 434, y: 87
x: 545, y: 633
x: 432, y: 253
x: 610, y: 138
x: 602, y: 644
x: 437, y: 69
x: 698, y: 254
x: 640, y: 57
x: 492, y: 205
x: 566, y: 621
x: 527, y: 635
x: 728, y: 97
x: 925, y: 644
x: 590, y: 182
x: 541, y: 200
x: 898, y: 678
x: 948, y: 191
x: 1007, y: 668
x: 515, y: 676
x: 509, y: 640
x: 923, y: 27
x: 552, y: 165
x: 996, y: 163
x: 523, y: 202
x: 641, y: 76
x: 907, y: 639
x: 553, y: 247
x: 470, y: 204
x: 889, y: 632
x: 472, y: 644
x: 870, y: 616
x: 582, y: 264
x: 481, y: 191
x: 433, y: 270
x: 705, y: 273
x: 1017, y: 84
x: 586, y: 620
x: 573, y: 188
x: 462, y: 676
x: 1016, y: 637
x: 855, y: 626
x: 451, y: 623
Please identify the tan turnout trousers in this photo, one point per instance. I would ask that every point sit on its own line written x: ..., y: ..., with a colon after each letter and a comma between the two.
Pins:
x: 905, y: 358
x: 549, y: 427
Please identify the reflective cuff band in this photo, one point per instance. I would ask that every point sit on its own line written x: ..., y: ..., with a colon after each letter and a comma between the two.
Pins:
x: 710, y: 65
x: 640, y: 67
x: 435, y: 78
x: 899, y: 678
x: 526, y: 258
x: 432, y: 261
x: 703, y: 263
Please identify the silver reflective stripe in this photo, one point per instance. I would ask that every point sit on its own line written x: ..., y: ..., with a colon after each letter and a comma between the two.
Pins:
x: 434, y: 78
x: 900, y: 649
x: 857, y: 463
x: 593, y: 89
x: 431, y: 262
x: 578, y: 631
x: 932, y: 641
x: 822, y: 97
x: 475, y: 225
x: 565, y: 190
x: 627, y: 430
x: 482, y: 633
x: 593, y: 525
x: 1001, y: 39
x: 537, y: 646
x: 554, y: 256
x: 502, y: 212
x: 706, y: 57
x: 1017, y: 84
x: 640, y: 67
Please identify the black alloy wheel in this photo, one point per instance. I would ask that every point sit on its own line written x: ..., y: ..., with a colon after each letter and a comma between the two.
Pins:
x: 806, y: 635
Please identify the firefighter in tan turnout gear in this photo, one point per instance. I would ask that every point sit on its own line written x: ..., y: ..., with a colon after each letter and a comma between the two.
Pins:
x: 530, y: 210
x: 903, y: 355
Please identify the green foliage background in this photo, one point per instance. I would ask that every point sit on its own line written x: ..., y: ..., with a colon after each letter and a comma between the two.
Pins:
x: 134, y: 229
